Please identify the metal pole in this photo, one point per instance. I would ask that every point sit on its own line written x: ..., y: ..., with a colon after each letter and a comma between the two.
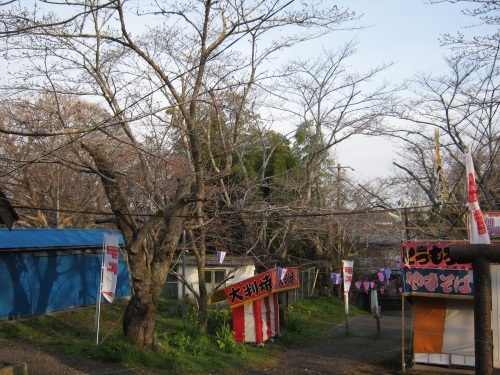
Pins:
x: 403, y: 363
x: 184, y: 276
x: 346, y: 300
x: 98, y: 302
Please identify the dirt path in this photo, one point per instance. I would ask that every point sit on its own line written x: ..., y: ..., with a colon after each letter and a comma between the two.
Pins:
x: 361, y: 351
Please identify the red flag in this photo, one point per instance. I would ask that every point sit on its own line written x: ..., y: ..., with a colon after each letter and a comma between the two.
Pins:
x: 477, y: 227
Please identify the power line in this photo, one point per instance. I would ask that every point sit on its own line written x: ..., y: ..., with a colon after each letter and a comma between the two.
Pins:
x: 263, y: 214
x: 136, y: 102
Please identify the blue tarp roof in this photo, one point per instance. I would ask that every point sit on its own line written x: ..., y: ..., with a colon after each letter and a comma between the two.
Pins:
x: 41, y: 238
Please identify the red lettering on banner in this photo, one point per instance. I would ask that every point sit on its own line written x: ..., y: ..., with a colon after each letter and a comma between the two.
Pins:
x: 478, y: 218
x: 113, y: 251
x: 415, y: 280
x: 462, y: 284
x: 431, y: 282
x: 348, y: 270
x: 472, y: 195
x: 447, y: 282
x: 113, y: 267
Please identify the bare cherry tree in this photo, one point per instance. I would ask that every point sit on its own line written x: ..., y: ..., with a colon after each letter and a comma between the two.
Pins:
x: 327, y: 104
x: 159, y: 68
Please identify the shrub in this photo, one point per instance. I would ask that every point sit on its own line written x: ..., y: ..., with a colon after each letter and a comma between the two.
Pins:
x: 216, y: 319
x: 224, y: 337
x: 296, y: 320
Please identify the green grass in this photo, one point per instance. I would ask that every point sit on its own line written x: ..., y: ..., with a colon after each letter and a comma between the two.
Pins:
x: 183, y: 349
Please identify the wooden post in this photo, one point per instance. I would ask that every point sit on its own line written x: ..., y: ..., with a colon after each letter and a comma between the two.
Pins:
x: 403, y: 362
x: 480, y: 256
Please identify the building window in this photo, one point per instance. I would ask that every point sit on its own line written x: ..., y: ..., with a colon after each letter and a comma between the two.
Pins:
x: 213, y: 278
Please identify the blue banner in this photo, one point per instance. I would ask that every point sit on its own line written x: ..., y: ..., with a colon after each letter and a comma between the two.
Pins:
x: 448, y: 282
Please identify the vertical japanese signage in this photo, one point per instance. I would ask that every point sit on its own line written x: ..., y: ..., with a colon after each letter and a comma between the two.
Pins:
x: 348, y: 271
x: 477, y: 227
x: 110, y: 266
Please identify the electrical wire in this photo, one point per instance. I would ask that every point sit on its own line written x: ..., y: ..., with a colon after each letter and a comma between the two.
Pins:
x: 102, y: 123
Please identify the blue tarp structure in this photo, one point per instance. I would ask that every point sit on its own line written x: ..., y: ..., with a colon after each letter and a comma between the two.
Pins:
x: 44, y: 270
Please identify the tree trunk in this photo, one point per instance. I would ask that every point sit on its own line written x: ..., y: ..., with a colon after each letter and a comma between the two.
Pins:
x: 139, y: 321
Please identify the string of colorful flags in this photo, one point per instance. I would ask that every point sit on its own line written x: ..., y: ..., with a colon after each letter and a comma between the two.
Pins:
x: 383, y: 276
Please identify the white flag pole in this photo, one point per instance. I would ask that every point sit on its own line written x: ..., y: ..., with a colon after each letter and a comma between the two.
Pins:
x: 99, y: 294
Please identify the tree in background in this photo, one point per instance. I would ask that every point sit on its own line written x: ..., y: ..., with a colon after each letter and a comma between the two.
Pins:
x: 51, y: 190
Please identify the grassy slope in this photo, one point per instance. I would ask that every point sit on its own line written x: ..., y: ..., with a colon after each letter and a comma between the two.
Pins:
x: 183, y: 349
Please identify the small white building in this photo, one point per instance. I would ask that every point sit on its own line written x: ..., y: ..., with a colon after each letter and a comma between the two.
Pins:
x: 233, y: 269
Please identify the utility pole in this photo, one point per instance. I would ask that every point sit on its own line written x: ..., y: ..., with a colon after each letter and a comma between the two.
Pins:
x: 339, y: 185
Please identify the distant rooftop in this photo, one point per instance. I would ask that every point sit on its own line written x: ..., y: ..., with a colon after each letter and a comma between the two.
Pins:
x: 43, y: 238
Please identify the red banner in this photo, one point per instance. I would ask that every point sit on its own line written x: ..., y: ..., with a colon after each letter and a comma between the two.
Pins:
x: 260, y: 286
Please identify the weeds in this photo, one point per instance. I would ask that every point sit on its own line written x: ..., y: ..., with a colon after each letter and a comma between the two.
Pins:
x: 296, y: 320
x: 224, y: 336
x: 181, y: 347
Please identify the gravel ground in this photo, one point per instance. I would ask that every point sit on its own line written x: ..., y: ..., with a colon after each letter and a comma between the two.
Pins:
x: 362, y: 351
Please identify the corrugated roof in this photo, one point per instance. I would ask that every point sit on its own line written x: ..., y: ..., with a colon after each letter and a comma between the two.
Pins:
x: 43, y: 238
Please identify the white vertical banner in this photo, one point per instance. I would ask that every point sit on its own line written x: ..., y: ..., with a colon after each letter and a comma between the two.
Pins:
x: 348, y: 271
x: 478, y: 232
x: 110, y: 266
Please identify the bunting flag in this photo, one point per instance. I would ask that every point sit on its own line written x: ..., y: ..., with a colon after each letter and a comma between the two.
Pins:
x: 366, y: 285
x: 380, y: 276
x: 387, y: 272
x: 443, y: 193
x: 220, y: 256
x: 110, y: 266
x: 281, y: 273
x: 358, y: 285
x: 336, y: 278
x: 478, y: 233
x: 372, y: 285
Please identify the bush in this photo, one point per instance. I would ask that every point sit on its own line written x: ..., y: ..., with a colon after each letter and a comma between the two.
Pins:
x: 192, y: 319
x: 12, y: 330
x: 296, y: 320
x: 218, y: 318
x: 224, y: 337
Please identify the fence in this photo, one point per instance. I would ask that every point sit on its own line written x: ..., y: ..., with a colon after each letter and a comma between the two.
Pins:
x: 307, y: 283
